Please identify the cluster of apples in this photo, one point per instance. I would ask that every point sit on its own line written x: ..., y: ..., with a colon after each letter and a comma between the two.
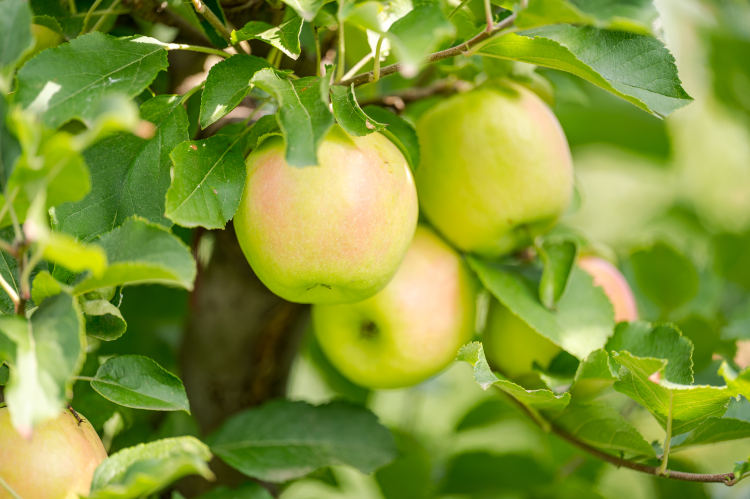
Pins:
x: 393, y: 301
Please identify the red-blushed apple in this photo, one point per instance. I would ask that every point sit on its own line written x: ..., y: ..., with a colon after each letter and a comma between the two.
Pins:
x: 743, y: 354
x: 335, y: 232
x: 58, y: 462
x: 513, y: 347
x: 496, y: 169
x: 410, y: 330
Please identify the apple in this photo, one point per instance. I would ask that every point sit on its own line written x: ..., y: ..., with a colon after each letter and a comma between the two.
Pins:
x: 496, y: 168
x: 335, y: 232
x: 410, y: 330
x: 513, y: 347
x: 58, y: 462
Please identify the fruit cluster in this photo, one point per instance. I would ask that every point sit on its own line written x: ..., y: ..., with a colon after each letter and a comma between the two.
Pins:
x: 393, y: 302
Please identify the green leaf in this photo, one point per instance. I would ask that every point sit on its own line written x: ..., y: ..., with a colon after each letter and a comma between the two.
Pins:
x: 70, y: 81
x: 593, y: 376
x: 207, y: 181
x: 72, y: 254
x: 282, y: 440
x: 15, y: 38
x: 147, y: 468
x: 129, y: 175
x: 602, y: 426
x: 634, y: 67
x: 398, y: 131
x: 307, y: 9
x: 103, y: 320
x: 664, y: 275
x: 227, y: 83
x: 584, y: 317
x: 688, y: 405
x: 284, y: 37
x: 349, y: 115
x: 44, y: 286
x: 483, y: 474
x: 10, y: 149
x: 545, y: 400
x: 303, y: 115
x: 714, y: 430
x: 9, y: 272
x: 53, y: 169
x: 631, y: 15
x: 249, y: 490
x: 558, y: 258
x: 141, y: 252
x: 139, y: 382
x: 738, y: 383
x: 661, y: 341
x: 49, y: 351
x: 417, y: 34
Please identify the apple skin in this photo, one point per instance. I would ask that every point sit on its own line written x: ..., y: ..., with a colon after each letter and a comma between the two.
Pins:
x: 513, y: 347
x: 57, y: 463
x: 410, y: 330
x: 331, y: 233
x: 496, y: 168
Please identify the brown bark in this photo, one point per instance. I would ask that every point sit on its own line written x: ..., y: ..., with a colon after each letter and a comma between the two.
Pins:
x: 239, y: 343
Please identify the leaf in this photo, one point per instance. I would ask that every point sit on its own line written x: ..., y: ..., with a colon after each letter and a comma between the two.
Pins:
x: 44, y: 286
x: 249, y: 490
x: 307, y: 9
x: 593, y: 376
x: 227, y: 83
x: 545, y: 400
x: 15, y: 38
x: 664, y: 275
x: 207, y: 181
x: 282, y: 439
x: 634, y: 67
x: 558, y: 258
x: 49, y: 351
x: 284, y: 37
x: 689, y: 405
x: 9, y: 272
x: 349, y: 115
x: 69, y: 81
x: 303, y: 115
x: 634, y: 15
x: 398, y: 131
x: 483, y: 474
x: 661, y: 341
x: 602, y: 426
x: 72, y: 254
x: 139, y: 382
x: 129, y: 175
x: 10, y: 149
x: 53, y: 169
x: 103, y: 320
x: 147, y: 468
x: 141, y: 252
x: 714, y: 430
x: 584, y: 317
x: 739, y: 383
x: 417, y: 34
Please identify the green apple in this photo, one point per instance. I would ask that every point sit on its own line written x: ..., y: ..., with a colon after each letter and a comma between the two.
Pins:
x: 335, y: 232
x: 513, y: 347
x: 58, y: 462
x: 495, y: 169
x: 410, y: 330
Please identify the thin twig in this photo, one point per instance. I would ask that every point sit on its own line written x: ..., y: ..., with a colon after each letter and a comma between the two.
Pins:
x: 218, y: 25
x: 89, y: 13
x: 197, y: 48
x: 103, y: 15
x: 459, y: 49
x: 9, y: 289
x: 727, y: 479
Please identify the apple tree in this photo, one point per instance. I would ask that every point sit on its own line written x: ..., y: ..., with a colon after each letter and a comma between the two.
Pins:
x: 374, y: 248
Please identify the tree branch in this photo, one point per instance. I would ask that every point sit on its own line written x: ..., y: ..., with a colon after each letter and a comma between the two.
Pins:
x: 459, y: 49
x: 727, y: 479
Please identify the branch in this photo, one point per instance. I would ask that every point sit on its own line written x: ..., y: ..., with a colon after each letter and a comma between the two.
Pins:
x: 218, y: 25
x: 459, y: 49
x: 727, y: 479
